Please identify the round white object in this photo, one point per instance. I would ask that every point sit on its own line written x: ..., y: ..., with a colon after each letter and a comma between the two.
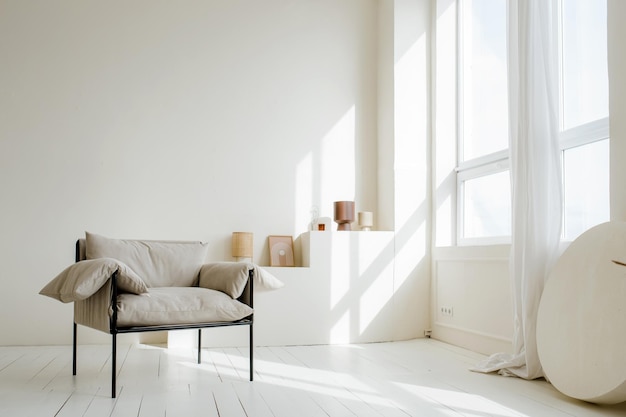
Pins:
x: 581, y: 322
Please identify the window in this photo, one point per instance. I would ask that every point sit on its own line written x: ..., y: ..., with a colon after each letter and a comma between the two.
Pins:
x: 484, y: 194
x: 584, y: 115
x: 483, y: 186
x: 484, y: 215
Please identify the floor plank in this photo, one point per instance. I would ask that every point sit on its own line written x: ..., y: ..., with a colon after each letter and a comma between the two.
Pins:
x: 251, y: 400
x: 401, y: 379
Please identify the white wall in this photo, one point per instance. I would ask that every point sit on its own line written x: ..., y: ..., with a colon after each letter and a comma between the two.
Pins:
x: 411, y: 170
x: 193, y: 119
x: 403, y: 153
x: 174, y: 120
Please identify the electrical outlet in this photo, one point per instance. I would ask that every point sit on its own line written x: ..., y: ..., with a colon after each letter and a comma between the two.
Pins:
x: 447, y: 311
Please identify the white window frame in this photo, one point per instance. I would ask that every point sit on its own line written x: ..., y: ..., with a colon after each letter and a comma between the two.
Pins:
x: 581, y: 135
x: 485, y: 165
x: 584, y: 134
x: 497, y: 162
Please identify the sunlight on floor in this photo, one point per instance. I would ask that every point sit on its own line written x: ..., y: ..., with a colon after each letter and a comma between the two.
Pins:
x: 472, y: 404
x: 333, y: 384
x: 345, y: 386
x: 412, y: 379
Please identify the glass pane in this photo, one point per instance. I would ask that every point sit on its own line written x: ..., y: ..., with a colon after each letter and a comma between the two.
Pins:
x: 487, y: 206
x: 586, y: 187
x: 484, y: 78
x: 585, y: 74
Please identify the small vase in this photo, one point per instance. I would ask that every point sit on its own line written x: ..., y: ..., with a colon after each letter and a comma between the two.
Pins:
x: 344, y: 214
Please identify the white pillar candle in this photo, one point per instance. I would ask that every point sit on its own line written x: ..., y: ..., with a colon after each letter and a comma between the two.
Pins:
x: 366, y: 220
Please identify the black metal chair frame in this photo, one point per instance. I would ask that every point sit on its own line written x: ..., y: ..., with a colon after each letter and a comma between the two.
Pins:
x: 115, y: 329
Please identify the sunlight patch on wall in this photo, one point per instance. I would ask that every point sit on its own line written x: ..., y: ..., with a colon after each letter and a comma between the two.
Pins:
x: 445, y: 124
x: 411, y: 110
x: 376, y: 268
x: 374, y: 300
x: 361, y: 283
x: 411, y: 233
x: 445, y: 221
x: 304, y: 192
x: 411, y: 167
x: 410, y: 254
x: 340, y: 331
x: 445, y: 78
x: 327, y: 173
x: 341, y: 274
x: 338, y: 164
x: 411, y: 154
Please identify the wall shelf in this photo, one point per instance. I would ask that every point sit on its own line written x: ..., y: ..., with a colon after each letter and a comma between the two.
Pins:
x: 343, y: 293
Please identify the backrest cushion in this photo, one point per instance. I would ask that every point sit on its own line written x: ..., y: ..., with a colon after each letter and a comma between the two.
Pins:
x: 158, y: 263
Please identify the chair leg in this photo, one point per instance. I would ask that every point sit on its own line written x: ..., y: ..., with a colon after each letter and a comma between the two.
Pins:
x: 199, y: 346
x: 74, y: 349
x: 113, y: 364
x: 251, y: 354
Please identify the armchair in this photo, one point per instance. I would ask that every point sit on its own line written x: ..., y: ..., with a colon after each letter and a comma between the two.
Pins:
x: 128, y: 286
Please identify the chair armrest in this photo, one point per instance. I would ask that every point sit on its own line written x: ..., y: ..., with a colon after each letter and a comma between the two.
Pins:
x: 96, y: 310
x: 228, y: 277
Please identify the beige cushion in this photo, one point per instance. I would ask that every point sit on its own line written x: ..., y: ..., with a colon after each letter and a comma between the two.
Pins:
x: 159, y: 263
x: 264, y: 281
x: 82, y: 279
x: 227, y: 277
x: 178, y: 305
x: 231, y: 278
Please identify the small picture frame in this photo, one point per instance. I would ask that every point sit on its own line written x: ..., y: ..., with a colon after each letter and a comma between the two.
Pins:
x: 281, y: 251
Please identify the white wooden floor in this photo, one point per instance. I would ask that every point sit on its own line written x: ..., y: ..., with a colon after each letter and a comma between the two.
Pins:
x: 415, y: 378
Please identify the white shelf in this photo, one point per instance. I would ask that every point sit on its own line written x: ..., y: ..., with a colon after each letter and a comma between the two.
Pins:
x: 344, y: 293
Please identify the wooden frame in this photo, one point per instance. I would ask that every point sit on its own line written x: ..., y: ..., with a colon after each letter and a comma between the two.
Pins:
x: 281, y: 251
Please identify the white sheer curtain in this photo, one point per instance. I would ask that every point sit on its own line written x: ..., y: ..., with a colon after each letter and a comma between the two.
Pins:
x: 535, y: 174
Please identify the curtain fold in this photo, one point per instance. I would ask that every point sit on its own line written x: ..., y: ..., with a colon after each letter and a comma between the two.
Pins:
x: 535, y: 174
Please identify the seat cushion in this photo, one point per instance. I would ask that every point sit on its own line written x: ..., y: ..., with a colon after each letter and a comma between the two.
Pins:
x: 178, y: 305
x: 158, y: 263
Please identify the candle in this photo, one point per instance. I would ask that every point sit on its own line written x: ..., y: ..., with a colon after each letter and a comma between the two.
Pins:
x: 366, y: 220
